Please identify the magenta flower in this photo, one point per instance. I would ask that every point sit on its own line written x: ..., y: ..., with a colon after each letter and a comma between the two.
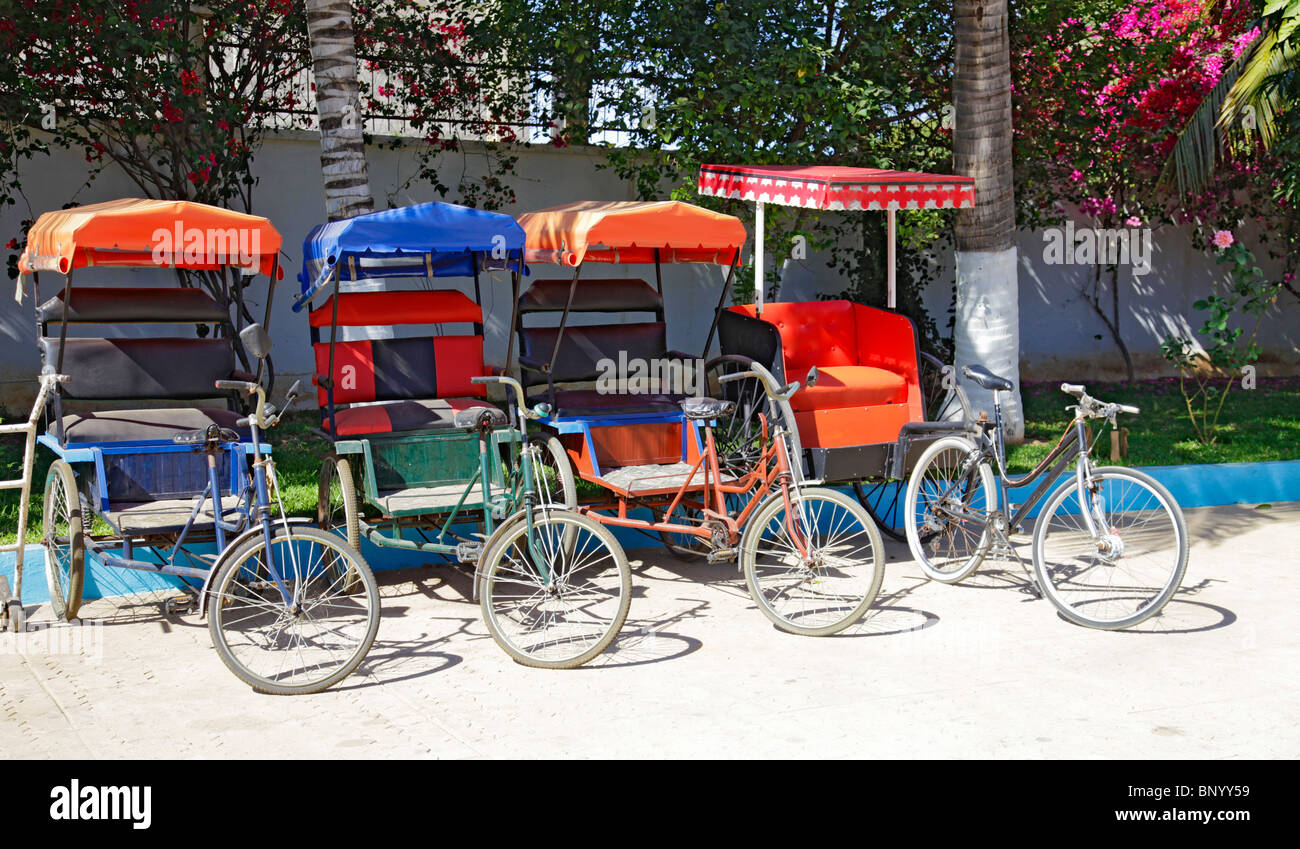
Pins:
x: 1132, y: 221
x: 1222, y: 238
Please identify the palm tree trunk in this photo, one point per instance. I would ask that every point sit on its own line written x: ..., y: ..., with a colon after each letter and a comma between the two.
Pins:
x: 987, y: 327
x: 334, y: 69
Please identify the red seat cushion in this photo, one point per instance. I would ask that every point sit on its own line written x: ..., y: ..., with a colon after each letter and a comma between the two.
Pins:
x: 401, y: 416
x: 851, y: 386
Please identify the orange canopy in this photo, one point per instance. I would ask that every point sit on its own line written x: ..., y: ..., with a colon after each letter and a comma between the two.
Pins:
x: 630, y: 232
x: 144, y: 233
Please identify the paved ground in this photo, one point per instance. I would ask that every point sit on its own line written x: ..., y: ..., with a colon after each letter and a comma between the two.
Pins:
x: 968, y: 671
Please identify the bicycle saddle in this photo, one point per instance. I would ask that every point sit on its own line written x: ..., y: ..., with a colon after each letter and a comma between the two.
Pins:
x: 213, y: 434
x: 705, y: 408
x: 986, y: 378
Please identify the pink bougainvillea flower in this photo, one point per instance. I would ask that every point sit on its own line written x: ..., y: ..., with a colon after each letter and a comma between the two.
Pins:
x: 1132, y: 221
x: 1222, y: 238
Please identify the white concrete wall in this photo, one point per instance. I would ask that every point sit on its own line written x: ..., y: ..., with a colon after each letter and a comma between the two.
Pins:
x: 1058, y: 330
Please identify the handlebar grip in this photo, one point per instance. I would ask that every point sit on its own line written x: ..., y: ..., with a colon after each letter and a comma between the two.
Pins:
x: 1126, y: 408
x: 240, y: 385
x: 727, y: 378
x: 244, y: 422
x: 1072, y: 389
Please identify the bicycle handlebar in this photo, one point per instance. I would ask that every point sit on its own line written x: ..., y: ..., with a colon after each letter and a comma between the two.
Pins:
x: 264, y: 415
x: 765, y: 377
x: 538, y: 412
x: 1094, y: 408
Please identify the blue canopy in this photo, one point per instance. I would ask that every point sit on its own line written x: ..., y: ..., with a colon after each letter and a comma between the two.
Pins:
x: 434, y: 239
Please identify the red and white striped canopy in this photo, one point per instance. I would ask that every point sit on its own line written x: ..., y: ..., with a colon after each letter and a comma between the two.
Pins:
x: 837, y: 188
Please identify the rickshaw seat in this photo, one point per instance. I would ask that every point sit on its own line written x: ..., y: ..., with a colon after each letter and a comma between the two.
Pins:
x: 410, y: 415
x: 424, y: 382
x: 136, y: 304
x: 869, y: 383
x: 135, y: 368
x: 145, y: 425
x: 851, y: 386
x: 583, y: 402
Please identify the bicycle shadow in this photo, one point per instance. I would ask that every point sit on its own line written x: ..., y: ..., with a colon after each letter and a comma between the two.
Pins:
x: 643, y: 641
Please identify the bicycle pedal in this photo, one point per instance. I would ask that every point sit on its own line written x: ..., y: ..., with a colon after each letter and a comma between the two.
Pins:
x: 469, y: 552
x: 178, y: 605
x: 722, y: 555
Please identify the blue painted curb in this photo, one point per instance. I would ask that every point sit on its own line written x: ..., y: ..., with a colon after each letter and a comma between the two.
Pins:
x: 1205, y: 485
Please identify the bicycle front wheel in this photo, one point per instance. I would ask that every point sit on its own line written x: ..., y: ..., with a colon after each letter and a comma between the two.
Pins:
x: 1126, y: 572
x: 944, y: 511
x: 316, y: 638
x: 555, y: 597
x: 815, y: 566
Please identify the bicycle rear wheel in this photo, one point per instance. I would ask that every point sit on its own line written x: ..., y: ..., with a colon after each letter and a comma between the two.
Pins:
x: 827, y: 586
x: 567, y: 616
x: 310, y: 644
x: 1130, y: 572
x: 948, y: 546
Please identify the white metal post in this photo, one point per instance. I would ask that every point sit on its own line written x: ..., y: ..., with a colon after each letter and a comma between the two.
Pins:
x: 758, y: 255
x: 891, y: 225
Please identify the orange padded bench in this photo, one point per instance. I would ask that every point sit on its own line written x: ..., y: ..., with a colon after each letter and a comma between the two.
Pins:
x: 868, y: 385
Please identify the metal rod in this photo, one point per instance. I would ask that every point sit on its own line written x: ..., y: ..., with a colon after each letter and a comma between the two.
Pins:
x: 891, y: 228
x: 758, y: 255
x: 564, y: 319
x: 717, y: 313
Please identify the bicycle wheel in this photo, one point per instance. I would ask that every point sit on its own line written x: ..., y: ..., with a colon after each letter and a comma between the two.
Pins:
x: 64, y: 539
x: 881, y: 498
x: 337, y: 509
x: 310, y: 644
x: 827, y: 586
x: 948, y: 547
x: 553, y: 474
x: 1135, y: 567
x: 565, y: 621
x: 336, y: 500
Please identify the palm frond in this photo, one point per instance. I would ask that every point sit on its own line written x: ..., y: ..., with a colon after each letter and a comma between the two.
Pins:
x: 1253, y: 90
x: 1191, y: 162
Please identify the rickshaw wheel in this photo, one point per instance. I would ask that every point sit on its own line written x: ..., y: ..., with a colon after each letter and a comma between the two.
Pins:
x: 685, y: 545
x: 64, y: 539
x: 881, y: 499
x: 336, y: 507
x: 737, y: 435
x: 554, y: 463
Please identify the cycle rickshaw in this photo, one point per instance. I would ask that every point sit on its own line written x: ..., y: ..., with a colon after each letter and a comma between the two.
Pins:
x: 158, y: 485
x: 879, y: 400
x: 421, y: 459
x: 811, y: 557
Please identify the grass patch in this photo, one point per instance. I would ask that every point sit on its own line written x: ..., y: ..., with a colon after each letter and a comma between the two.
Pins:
x: 1261, y: 424
x: 1257, y: 425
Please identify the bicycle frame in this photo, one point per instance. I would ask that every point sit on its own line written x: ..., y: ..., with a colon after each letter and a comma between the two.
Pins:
x: 1071, y: 447
x: 772, y: 467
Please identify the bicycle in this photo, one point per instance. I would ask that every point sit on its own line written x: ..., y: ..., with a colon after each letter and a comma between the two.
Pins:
x: 292, y: 609
x: 1109, y: 550
x: 553, y: 585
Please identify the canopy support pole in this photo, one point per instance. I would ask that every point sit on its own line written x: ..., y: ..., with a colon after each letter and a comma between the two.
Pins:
x: 564, y: 319
x: 717, y: 313
x: 891, y: 227
x: 758, y: 255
